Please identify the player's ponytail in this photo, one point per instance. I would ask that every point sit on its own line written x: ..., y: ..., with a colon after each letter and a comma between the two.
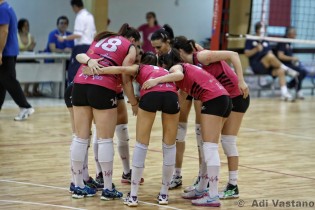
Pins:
x: 181, y: 42
x: 104, y: 35
x: 129, y: 32
x: 149, y: 58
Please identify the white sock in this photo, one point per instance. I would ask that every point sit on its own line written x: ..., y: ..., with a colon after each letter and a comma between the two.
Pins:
x: 138, y: 159
x: 284, y: 90
x: 85, y: 172
x: 78, y: 151
x: 106, y: 158
x: 177, y: 171
x: 199, y: 143
x: 123, y: 146
x: 284, y: 67
x: 95, y: 149
x: 204, y: 179
x: 169, y: 156
x: 72, y: 177
x: 233, y: 176
x: 212, y: 157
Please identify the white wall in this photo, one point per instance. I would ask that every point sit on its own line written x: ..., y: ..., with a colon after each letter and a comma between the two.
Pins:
x: 42, y: 16
x: 192, y: 18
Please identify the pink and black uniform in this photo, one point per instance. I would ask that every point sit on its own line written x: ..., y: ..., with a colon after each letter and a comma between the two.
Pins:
x: 229, y: 80
x: 114, y: 50
x: 203, y: 86
x: 162, y: 97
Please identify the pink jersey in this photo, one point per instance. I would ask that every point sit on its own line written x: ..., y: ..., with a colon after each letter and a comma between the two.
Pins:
x: 223, y: 73
x: 114, y: 50
x: 147, y: 72
x: 200, y: 84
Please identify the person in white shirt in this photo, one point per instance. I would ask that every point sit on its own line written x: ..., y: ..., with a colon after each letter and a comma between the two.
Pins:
x: 83, y: 35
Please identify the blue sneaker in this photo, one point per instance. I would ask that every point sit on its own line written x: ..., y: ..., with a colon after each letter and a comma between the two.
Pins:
x: 111, y: 194
x: 83, y: 192
x: 71, y: 188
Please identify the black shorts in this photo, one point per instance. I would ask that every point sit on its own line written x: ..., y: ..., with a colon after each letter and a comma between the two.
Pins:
x: 259, y: 68
x: 68, y: 95
x: 120, y: 96
x: 189, y: 98
x: 240, y: 104
x: 167, y: 102
x: 220, y: 106
x: 94, y: 96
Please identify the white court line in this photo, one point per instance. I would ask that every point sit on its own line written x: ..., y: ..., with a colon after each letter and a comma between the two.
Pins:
x: 162, y: 206
x: 38, y: 185
x: 279, y: 133
x: 39, y: 204
x: 62, y: 188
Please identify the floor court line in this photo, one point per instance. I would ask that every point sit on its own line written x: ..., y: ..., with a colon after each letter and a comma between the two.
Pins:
x: 40, y: 204
x: 278, y: 133
x: 62, y: 188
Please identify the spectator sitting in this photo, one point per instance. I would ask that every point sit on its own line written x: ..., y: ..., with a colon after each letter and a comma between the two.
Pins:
x: 263, y: 61
x: 27, y: 43
x: 25, y: 39
x: 285, y: 54
x: 54, y: 45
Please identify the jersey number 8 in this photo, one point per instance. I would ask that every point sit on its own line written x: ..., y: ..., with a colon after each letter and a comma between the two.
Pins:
x: 109, y: 45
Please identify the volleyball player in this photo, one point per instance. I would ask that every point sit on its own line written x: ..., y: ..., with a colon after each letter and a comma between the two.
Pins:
x: 94, y: 97
x: 216, y: 106
x: 214, y: 63
x: 162, y: 40
x: 162, y: 97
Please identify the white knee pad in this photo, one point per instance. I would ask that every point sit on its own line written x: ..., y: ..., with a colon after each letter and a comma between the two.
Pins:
x: 211, y: 154
x: 78, y: 149
x: 105, y: 150
x: 122, y: 135
x: 229, y: 145
x: 169, y: 154
x: 139, y: 155
x: 181, y: 132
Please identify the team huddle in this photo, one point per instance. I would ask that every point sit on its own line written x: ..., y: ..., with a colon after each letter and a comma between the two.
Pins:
x: 179, y: 73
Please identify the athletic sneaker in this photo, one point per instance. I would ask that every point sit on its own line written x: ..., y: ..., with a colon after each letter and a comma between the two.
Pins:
x: 194, y: 194
x: 131, y: 201
x: 24, y: 113
x: 99, y: 178
x: 193, y: 186
x: 176, y: 182
x: 206, y: 200
x: 110, y: 194
x: 126, y: 178
x: 162, y: 199
x: 83, y: 192
x: 287, y: 97
x: 71, y: 188
x: 94, y: 184
x: 229, y: 192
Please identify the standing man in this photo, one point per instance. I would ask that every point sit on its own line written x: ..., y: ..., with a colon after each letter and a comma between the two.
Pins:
x: 285, y: 55
x: 83, y: 35
x: 9, y: 50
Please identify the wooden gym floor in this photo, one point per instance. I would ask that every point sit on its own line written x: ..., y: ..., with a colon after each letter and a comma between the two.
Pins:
x: 276, y: 146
